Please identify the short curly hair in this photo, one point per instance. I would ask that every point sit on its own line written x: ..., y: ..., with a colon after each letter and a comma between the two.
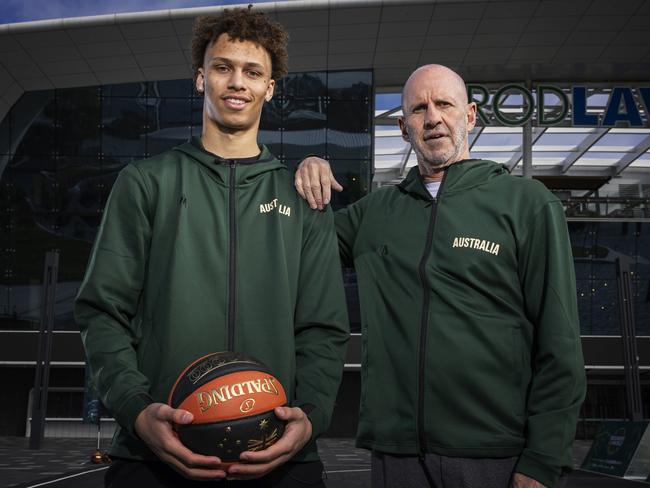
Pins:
x: 244, y: 25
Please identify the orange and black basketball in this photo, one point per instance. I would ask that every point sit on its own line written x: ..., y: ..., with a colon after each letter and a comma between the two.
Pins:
x: 232, y: 397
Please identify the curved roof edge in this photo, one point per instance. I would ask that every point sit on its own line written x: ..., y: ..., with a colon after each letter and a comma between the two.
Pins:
x: 185, y: 13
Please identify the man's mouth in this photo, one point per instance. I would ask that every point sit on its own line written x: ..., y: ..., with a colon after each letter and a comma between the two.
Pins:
x: 429, y: 137
x: 235, y: 102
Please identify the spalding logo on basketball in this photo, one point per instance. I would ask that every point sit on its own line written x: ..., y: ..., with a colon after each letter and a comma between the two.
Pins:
x: 232, y: 397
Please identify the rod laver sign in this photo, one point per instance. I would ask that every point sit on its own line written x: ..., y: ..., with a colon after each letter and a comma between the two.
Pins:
x: 213, y: 397
x: 621, y: 105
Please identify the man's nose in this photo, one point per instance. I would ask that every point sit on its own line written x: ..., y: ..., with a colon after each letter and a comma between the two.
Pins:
x: 431, y: 117
x: 236, y: 81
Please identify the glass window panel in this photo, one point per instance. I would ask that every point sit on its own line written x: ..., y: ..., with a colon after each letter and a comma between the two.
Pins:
x: 388, y: 161
x: 169, y: 123
x: 81, y: 191
x: 389, y: 145
x: 138, y: 89
x: 618, y: 142
x: 387, y: 131
x: 278, y: 92
x: 499, y: 157
x: 78, y: 121
x: 124, y: 122
x: 583, y: 238
x: 171, y: 88
x: 272, y: 139
x: 30, y: 163
x: 348, y: 144
x: 5, y: 134
x: 304, y: 128
x: 387, y: 101
x: 350, y: 85
x: 642, y: 161
x: 498, y: 142
x: 38, y: 135
x: 599, y: 159
x: 305, y: 85
x: 349, y: 116
x: 354, y: 176
x: 271, y: 119
x: 560, y: 142
x: 196, y: 117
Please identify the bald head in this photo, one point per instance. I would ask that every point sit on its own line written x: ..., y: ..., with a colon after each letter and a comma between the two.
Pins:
x: 434, y: 74
x: 436, y: 118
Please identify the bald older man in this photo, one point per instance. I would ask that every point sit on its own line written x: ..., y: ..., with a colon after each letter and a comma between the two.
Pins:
x: 472, y: 369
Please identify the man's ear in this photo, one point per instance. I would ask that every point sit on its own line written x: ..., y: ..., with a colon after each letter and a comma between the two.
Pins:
x: 471, y: 115
x: 270, y: 90
x: 402, y: 128
x: 199, y: 83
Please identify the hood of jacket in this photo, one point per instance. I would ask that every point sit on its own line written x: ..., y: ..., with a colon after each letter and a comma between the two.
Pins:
x: 459, y: 176
x: 248, y: 169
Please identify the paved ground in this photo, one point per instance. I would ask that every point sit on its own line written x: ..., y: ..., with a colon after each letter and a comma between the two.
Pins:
x: 65, y: 463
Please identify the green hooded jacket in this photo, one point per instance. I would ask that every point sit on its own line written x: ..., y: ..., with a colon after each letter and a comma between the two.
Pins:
x: 196, y: 254
x: 471, y: 344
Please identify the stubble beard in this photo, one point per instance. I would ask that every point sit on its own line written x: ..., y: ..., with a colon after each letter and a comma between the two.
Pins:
x: 431, y: 164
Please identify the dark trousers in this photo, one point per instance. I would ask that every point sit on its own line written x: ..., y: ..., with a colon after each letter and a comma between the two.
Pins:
x: 389, y: 471
x: 124, y: 473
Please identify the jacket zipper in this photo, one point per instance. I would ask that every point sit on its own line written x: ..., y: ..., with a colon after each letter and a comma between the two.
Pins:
x: 426, y: 299
x: 231, y: 257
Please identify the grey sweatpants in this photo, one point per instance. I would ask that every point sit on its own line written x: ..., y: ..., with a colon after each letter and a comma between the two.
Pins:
x: 435, y: 471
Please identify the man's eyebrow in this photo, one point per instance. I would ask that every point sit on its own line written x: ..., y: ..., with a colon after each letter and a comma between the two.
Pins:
x: 230, y: 61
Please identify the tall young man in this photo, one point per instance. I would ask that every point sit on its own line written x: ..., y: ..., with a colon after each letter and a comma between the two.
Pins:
x: 207, y: 247
x: 468, y: 308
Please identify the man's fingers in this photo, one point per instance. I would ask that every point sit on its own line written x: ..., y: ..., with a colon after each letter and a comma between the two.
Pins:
x: 326, y: 184
x: 182, y: 417
x: 316, y: 185
x: 280, y: 448
x: 309, y: 196
x: 194, y: 473
x: 298, y: 184
x: 173, y: 415
x: 335, y: 184
x: 251, y: 471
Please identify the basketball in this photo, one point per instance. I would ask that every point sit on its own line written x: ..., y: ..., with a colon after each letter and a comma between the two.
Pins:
x: 232, y: 397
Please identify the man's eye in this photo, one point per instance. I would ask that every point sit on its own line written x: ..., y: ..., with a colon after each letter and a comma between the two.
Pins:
x: 254, y: 74
x: 419, y: 108
x: 222, y: 68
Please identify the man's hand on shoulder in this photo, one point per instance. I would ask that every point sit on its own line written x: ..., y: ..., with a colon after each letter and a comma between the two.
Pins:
x: 296, y: 434
x: 314, y: 182
x: 522, y: 481
x: 154, y: 425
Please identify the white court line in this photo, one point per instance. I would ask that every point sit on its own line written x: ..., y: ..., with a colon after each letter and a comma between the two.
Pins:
x: 339, y: 471
x: 68, y: 477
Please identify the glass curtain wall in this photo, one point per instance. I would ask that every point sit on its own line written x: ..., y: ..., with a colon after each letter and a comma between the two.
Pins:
x: 60, y: 151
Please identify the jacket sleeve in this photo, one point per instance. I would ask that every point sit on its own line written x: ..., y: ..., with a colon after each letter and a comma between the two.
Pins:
x: 347, y: 222
x: 109, y: 297
x: 557, y: 388
x: 321, y: 322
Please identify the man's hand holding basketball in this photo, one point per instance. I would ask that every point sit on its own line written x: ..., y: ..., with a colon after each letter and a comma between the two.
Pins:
x: 154, y: 425
x: 296, y: 434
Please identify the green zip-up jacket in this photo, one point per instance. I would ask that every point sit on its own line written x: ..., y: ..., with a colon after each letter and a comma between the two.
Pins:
x: 471, y: 345
x: 196, y: 254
